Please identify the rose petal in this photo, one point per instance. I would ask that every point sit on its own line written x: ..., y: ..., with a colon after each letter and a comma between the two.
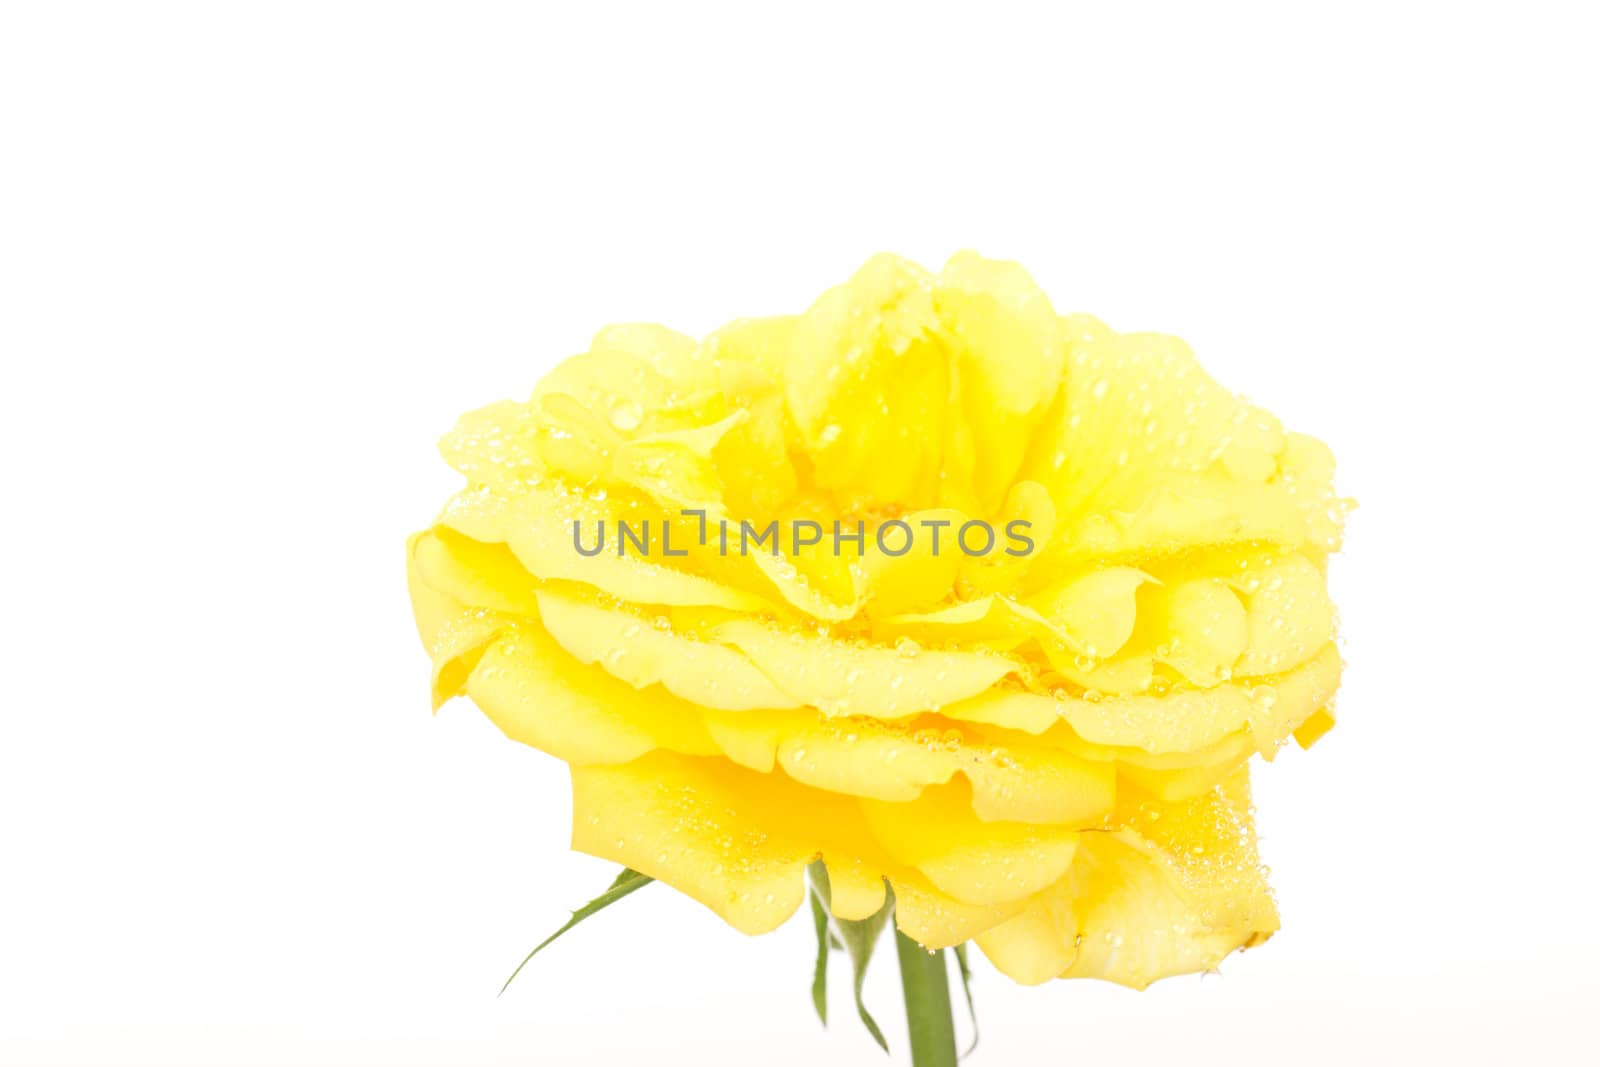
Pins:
x: 633, y: 649
x: 974, y: 861
x: 539, y: 695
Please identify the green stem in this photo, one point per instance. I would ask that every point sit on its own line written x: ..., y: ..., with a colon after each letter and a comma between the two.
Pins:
x: 927, y: 991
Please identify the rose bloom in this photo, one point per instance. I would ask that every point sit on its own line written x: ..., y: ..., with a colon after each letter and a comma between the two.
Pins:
x: 1046, y: 753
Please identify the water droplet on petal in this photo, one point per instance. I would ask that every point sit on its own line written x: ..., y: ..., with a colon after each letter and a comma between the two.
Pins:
x: 627, y: 415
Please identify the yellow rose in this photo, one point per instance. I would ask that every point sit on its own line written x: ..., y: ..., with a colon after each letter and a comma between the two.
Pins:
x: 1045, y: 750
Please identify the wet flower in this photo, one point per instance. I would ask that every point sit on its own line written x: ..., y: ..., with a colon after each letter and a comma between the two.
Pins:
x: 1045, y: 752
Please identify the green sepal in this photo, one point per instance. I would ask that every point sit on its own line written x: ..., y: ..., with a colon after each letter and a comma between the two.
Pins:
x: 966, y: 987
x: 819, y: 979
x: 858, y: 936
x: 626, y: 882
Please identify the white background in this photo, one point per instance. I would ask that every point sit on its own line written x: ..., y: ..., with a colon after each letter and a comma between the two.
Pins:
x: 254, y: 259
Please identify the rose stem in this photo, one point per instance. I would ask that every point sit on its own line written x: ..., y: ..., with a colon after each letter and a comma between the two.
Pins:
x: 927, y: 992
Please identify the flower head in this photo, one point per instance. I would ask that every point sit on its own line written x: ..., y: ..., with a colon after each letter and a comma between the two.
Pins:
x: 930, y: 582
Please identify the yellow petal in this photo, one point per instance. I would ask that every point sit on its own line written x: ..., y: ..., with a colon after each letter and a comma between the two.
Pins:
x: 857, y: 888
x: 1290, y: 615
x: 974, y: 861
x: 867, y: 382
x: 1174, y: 892
x: 486, y: 576
x: 991, y: 622
x: 1185, y: 514
x: 636, y: 378
x: 1130, y: 672
x: 924, y: 573
x: 1079, y: 329
x: 634, y: 649
x: 1311, y: 731
x: 1096, y: 612
x: 1149, y: 456
x: 454, y: 634
x: 1180, y: 721
x: 1206, y: 846
x: 739, y: 843
x: 935, y: 920
x: 496, y: 446
x: 1138, y: 410
x: 1038, y: 784
x: 1280, y: 704
x: 760, y: 346
x: 1205, y: 630
x: 1135, y: 926
x: 802, y: 565
x: 1306, y: 473
x: 540, y: 533
x: 1010, y: 708
x: 1024, y: 531
x: 537, y: 694
x: 895, y: 760
x: 676, y: 468
x: 686, y: 565
x: 753, y: 460
x: 751, y: 738
x: 727, y: 837
x: 844, y: 678
x: 1009, y: 353
x: 576, y: 441
x: 1180, y: 783
x: 1037, y: 944
x: 481, y: 513
x: 868, y: 757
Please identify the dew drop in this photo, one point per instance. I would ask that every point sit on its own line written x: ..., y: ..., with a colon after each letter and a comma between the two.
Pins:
x: 627, y: 415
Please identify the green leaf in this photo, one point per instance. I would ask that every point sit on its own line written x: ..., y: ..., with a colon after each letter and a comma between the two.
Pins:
x: 818, y: 873
x: 819, y: 979
x: 860, y: 937
x: 626, y: 882
x: 821, y: 895
x: 966, y: 987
